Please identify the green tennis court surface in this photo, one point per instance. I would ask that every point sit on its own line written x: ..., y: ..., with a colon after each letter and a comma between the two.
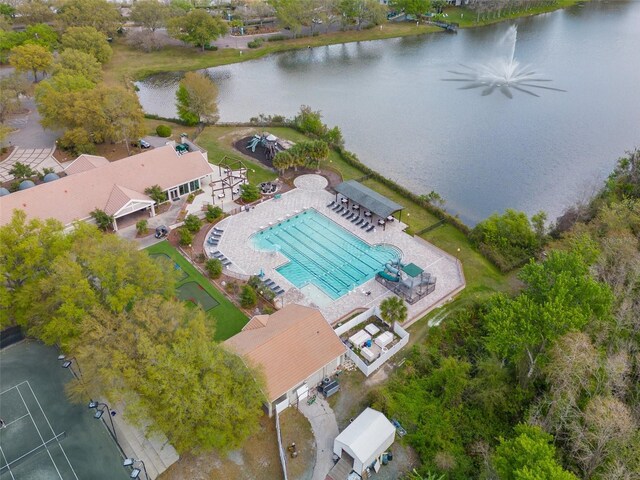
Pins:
x: 181, y: 274
x: 46, y: 437
x: 193, y: 292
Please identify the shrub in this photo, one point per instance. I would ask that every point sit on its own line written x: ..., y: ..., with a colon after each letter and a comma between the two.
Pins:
x: 201, y: 258
x: 232, y: 287
x: 249, y: 193
x: 211, y: 48
x: 157, y: 194
x: 276, y: 38
x: 191, y: 198
x: 248, y: 297
x: 185, y: 237
x: 212, y: 213
x: 193, y: 223
x: 141, y: 226
x: 103, y: 220
x: 213, y: 267
x: 21, y: 171
x: 163, y: 131
x: 257, y: 43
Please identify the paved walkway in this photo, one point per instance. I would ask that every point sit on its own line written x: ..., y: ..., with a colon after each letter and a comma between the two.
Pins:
x: 36, y: 158
x: 29, y: 133
x: 236, y: 245
x: 325, y: 430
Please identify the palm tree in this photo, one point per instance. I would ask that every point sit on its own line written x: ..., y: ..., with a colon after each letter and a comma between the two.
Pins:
x: 414, y: 475
x: 393, y: 309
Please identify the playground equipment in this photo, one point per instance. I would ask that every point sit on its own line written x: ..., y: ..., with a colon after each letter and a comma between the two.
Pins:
x: 269, y: 142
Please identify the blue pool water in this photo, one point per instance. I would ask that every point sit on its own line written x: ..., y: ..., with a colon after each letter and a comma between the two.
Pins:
x: 323, y: 253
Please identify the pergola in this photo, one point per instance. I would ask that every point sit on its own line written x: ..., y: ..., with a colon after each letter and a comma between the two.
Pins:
x: 368, y: 199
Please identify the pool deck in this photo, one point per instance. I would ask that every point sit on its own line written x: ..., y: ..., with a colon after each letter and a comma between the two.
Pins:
x: 236, y: 244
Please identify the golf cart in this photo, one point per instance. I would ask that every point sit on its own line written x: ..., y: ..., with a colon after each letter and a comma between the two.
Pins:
x: 162, y: 231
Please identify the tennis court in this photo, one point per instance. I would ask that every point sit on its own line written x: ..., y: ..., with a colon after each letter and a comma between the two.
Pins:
x: 45, y: 436
x: 193, y: 292
x: 164, y: 258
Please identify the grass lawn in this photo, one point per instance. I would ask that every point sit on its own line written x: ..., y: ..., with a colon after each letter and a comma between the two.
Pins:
x: 226, y: 319
x: 129, y: 64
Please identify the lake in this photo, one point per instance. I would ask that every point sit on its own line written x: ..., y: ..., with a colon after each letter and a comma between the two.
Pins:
x: 482, y: 153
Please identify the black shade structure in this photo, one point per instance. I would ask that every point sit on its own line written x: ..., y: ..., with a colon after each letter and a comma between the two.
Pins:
x: 368, y: 199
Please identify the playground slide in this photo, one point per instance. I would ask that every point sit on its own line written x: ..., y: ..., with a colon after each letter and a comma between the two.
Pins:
x: 393, y: 270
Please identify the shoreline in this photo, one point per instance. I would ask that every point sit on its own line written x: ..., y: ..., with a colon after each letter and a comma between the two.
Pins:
x: 129, y: 65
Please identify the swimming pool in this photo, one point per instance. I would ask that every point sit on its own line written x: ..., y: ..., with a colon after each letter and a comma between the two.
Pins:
x: 323, y: 253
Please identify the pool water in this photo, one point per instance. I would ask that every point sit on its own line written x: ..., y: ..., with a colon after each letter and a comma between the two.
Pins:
x: 323, y: 253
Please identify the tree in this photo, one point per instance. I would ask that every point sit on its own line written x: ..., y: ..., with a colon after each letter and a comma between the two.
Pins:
x: 361, y: 12
x: 560, y: 296
x: 11, y: 87
x: 193, y: 223
x: 283, y: 160
x: 529, y: 456
x: 27, y: 250
x: 248, y: 297
x: 20, y: 171
x: 31, y: 58
x: 103, y: 220
x: 142, y: 227
x: 293, y: 14
x: 196, y: 99
x: 76, y: 62
x: 249, y: 193
x: 393, y: 309
x: 35, y: 11
x: 411, y: 7
x: 197, y: 28
x: 41, y: 34
x: 214, y: 267
x: 156, y: 193
x: 160, y: 360
x: 89, y: 40
x: 163, y: 131
x: 99, y: 14
x: 150, y: 14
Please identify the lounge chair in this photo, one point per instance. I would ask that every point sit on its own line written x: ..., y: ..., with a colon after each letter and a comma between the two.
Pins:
x: 331, y: 204
x: 214, y: 243
x: 270, y: 284
x: 217, y: 255
x: 216, y: 234
x: 218, y: 230
x: 355, y: 219
x: 226, y: 263
x: 365, y: 225
x: 359, y: 222
x: 338, y: 206
x: 371, y: 228
x: 279, y: 291
x: 346, y: 212
x: 210, y: 240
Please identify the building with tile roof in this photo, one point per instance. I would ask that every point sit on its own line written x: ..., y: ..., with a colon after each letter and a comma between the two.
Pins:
x: 294, y: 347
x: 93, y: 182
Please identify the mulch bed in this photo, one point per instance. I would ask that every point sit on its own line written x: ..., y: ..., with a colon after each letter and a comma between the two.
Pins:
x: 5, y: 155
x: 259, y: 154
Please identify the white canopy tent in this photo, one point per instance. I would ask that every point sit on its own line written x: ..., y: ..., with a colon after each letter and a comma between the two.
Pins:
x: 365, y: 439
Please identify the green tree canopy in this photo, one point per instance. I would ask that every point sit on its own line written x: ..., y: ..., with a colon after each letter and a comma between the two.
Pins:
x: 529, y: 456
x: 41, y: 34
x: 35, y: 11
x: 76, y: 62
x: 361, y: 12
x: 150, y: 14
x: 393, y: 309
x: 102, y: 15
x: 89, y: 40
x: 31, y: 58
x: 196, y: 99
x: 197, y: 27
x: 411, y: 7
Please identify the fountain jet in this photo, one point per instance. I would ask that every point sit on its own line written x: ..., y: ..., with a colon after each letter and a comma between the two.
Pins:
x: 504, y: 73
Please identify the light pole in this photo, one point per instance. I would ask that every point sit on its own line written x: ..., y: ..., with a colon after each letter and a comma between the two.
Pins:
x: 67, y: 362
x: 100, y: 407
x: 135, y: 472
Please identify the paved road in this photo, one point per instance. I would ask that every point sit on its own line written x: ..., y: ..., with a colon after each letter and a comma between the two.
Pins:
x: 29, y: 133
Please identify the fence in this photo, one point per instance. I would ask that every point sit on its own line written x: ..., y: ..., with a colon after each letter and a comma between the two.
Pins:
x: 382, y: 359
x: 280, y: 449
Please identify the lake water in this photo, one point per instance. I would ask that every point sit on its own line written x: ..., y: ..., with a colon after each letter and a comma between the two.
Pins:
x: 483, y: 154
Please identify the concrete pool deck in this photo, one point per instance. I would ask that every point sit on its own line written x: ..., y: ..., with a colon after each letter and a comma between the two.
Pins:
x: 236, y: 244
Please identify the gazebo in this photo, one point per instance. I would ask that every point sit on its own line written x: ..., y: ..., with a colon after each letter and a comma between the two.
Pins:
x: 363, y: 197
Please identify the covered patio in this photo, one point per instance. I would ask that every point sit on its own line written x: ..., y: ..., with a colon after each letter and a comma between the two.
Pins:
x: 369, y: 203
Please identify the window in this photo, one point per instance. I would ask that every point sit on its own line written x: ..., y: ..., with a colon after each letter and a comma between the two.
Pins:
x: 195, y: 185
x: 184, y: 189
